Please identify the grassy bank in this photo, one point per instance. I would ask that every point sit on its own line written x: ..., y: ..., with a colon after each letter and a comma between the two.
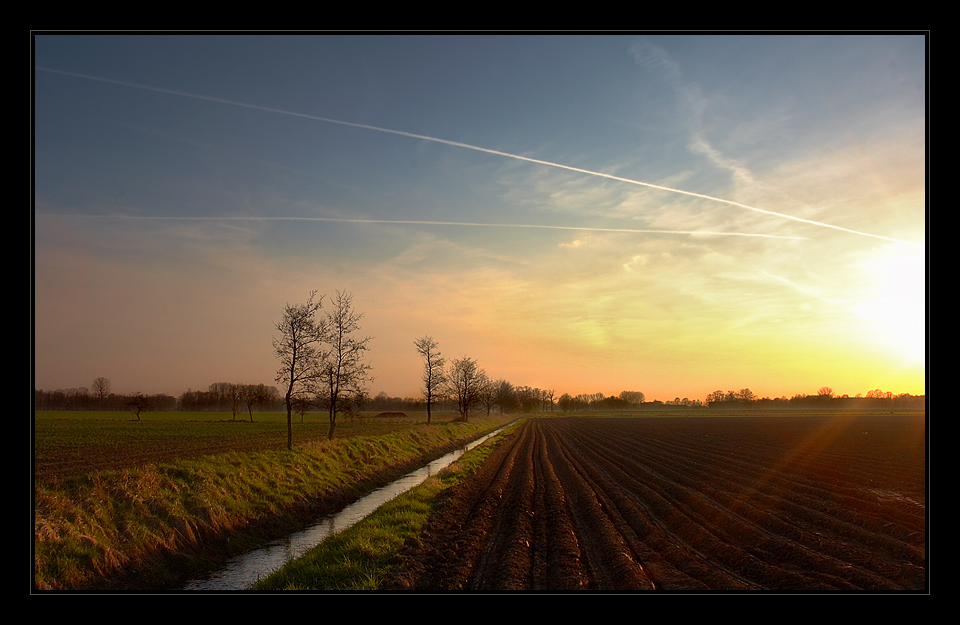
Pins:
x: 153, y: 526
x: 361, y: 556
x: 74, y: 443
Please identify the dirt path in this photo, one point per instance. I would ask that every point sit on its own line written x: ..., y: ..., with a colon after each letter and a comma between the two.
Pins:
x: 684, y: 504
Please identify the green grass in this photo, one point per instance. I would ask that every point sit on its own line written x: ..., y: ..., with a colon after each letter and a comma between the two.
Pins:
x: 53, y: 429
x: 89, y: 529
x: 362, y: 556
x: 76, y: 441
x: 358, y: 557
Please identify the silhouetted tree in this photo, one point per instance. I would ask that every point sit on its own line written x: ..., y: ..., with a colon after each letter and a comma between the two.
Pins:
x: 235, y: 394
x: 101, y: 388
x: 465, y: 384
x: 343, y: 371
x: 301, y: 404
x: 433, y: 376
x: 488, y: 395
x: 255, y: 395
x: 298, y: 349
x: 715, y: 397
x: 546, y: 399
x: 506, y: 396
x: 220, y: 393
x: 531, y: 399
x: 138, y: 402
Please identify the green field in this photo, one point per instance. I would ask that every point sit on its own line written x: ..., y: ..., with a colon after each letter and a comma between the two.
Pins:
x: 70, y: 443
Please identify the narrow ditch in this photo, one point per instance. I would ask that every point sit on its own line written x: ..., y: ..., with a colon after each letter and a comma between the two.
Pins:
x: 241, y: 572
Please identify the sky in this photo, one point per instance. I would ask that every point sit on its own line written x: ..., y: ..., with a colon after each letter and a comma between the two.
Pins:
x: 671, y: 214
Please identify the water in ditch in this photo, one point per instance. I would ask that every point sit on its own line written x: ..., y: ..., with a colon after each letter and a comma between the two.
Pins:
x: 243, y: 571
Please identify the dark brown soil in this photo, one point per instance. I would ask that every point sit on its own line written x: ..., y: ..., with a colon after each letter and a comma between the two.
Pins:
x: 703, y: 504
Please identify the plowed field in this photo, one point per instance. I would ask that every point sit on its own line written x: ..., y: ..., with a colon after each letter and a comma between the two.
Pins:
x: 686, y: 503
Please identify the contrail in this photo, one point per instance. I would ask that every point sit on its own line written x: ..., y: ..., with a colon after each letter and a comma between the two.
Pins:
x: 468, y: 147
x: 428, y: 223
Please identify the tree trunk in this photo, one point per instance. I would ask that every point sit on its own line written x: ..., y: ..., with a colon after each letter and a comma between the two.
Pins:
x: 333, y: 413
x: 289, y: 422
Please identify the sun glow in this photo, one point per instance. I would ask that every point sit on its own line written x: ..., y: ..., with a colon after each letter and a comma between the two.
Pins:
x: 895, y: 302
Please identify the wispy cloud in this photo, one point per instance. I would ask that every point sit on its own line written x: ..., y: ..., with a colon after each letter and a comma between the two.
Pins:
x: 663, y: 62
x: 413, y: 222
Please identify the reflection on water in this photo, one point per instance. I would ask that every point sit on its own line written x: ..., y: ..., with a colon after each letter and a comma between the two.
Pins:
x: 244, y: 571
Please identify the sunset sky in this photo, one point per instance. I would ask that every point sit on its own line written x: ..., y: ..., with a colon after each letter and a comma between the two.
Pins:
x: 666, y: 214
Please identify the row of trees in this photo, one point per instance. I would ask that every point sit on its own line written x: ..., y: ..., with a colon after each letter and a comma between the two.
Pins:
x: 231, y: 397
x: 626, y: 400
x: 824, y: 398
x: 469, y: 387
x: 465, y: 383
x: 220, y: 397
x: 82, y: 399
x: 236, y: 397
x: 322, y: 365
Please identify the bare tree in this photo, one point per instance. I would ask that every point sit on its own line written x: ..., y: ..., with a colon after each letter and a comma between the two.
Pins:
x: 465, y: 383
x: 101, y: 388
x: 716, y: 397
x: 506, y: 396
x: 301, y: 404
x: 434, y: 375
x: 139, y: 402
x: 632, y: 397
x: 254, y: 395
x: 220, y: 394
x: 235, y: 397
x: 298, y: 348
x: 250, y: 398
x: 546, y: 399
x: 343, y: 371
x: 488, y: 395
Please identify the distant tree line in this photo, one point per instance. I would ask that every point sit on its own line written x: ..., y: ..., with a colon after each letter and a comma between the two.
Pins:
x: 82, y: 399
x: 823, y: 399
x: 219, y: 397
x: 500, y: 395
x: 447, y: 388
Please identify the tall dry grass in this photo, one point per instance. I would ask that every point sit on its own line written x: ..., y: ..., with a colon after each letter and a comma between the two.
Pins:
x: 156, y: 524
